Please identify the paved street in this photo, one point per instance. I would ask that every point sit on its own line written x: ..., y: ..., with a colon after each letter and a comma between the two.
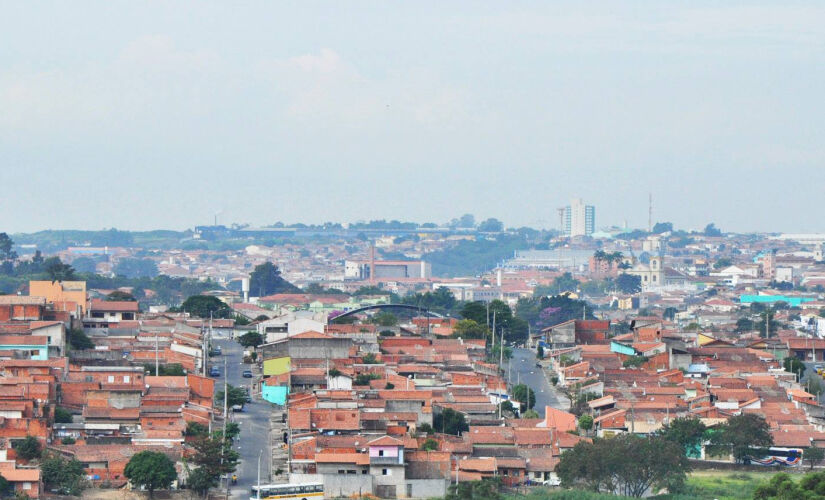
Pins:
x: 523, y: 370
x: 253, y: 421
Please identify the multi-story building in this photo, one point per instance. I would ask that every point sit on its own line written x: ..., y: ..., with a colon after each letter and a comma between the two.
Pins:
x: 579, y: 219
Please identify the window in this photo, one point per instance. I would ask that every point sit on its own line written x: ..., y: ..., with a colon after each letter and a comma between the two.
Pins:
x: 654, y: 277
x: 126, y: 379
x: 380, y: 453
x: 111, y: 379
x: 341, y: 471
x: 363, y: 471
x: 386, y: 472
x: 27, y: 486
x: 89, y: 378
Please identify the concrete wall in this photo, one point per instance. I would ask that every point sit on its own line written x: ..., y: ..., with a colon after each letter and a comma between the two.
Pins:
x: 344, y: 485
x: 426, y: 488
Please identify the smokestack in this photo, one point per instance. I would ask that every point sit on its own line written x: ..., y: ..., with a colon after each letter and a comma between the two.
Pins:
x: 245, y: 289
x: 423, y: 270
x: 498, y: 277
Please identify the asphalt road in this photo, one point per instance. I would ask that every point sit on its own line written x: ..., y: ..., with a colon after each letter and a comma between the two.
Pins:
x: 253, y: 421
x: 523, y: 370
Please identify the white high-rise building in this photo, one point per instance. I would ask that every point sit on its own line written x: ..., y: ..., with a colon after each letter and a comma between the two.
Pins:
x: 579, y: 219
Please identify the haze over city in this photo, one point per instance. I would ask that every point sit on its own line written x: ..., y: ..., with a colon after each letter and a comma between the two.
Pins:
x: 157, y: 116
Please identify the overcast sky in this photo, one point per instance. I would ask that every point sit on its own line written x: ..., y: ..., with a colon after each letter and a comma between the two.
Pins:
x: 157, y: 115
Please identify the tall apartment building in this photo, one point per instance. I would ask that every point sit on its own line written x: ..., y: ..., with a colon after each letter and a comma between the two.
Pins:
x: 579, y: 219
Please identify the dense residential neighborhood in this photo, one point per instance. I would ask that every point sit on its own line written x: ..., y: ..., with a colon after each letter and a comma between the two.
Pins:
x: 395, y: 382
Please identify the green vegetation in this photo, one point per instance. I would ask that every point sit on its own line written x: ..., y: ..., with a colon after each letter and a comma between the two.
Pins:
x: 794, y: 365
x: 369, y: 359
x: 385, y: 318
x: 486, y: 489
x: 235, y: 396
x: 628, y: 283
x: 634, y: 361
x: 627, y: 463
x: 266, y: 280
x: 151, y: 470
x: 62, y: 416
x: 28, y: 448
x: 450, y: 421
x: 63, y: 474
x: 165, y: 370
x: 136, y: 268
x: 515, y: 328
x: 524, y: 395
x: 429, y: 444
x: 741, y: 434
x: 364, y: 378
x: 214, y: 457
x: 79, y: 340
x: 202, y: 306
x: 474, y: 257
x: 687, y: 432
x: 251, y: 339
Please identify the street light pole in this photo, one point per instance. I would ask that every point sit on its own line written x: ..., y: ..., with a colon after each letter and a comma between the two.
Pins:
x: 259, y: 473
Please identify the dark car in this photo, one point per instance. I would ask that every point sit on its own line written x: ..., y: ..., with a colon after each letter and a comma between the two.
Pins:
x: 247, y: 374
x: 217, y: 350
x: 214, y: 372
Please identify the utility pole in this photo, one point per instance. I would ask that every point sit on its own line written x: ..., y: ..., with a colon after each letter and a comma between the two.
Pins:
x: 259, y: 473
x: 156, y: 354
x: 225, y: 418
x: 494, y: 329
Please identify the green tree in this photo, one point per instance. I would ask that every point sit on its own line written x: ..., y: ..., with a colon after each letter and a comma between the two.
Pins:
x: 469, y: 329
x: 687, y: 432
x: 524, y: 395
x: 165, y: 370
x: 200, y: 481
x: 85, y: 265
x: 62, y: 474
x: 626, y: 464
x: 196, y: 429
x: 781, y: 487
x: 491, y: 225
x: 235, y: 396
x: 151, y: 470
x: 662, y: 227
x: 742, y: 434
x: 486, y: 489
x: 565, y: 283
x: 62, y: 416
x: 7, y: 254
x: 266, y: 280
x: 540, y: 352
x: 429, y: 444
x: 450, y: 421
x: 813, y: 455
x: 628, y: 283
x: 117, y: 295
x: 531, y: 414
x: 385, y: 318
x: 722, y: 263
x: 712, y: 230
x: 202, y: 305
x: 79, y: 340
x: 670, y: 313
x: 794, y: 365
x: 369, y: 359
x: 214, y: 455
x: 28, y: 448
x: 251, y: 339
x: 426, y: 429
x: 56, y: 270
x: 585, y: 422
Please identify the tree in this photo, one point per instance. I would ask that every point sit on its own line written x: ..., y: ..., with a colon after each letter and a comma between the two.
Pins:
x: 794, y: 365
x: 565, y: 283
x: 57, y: 270
x: 783, y: 487
x: 214, y: 455
x: 429, y: 444
x: 7, y: 254
x: 28, y: 448
x: 62, y: 416
x: 741, y: 434
x: 151, y: 470
x: 662, y: 227
x: 722, y: 263
x: 200, y: 481
x: 117, y: 295
x: 687, y: 432
x: 626, y: 464
x: 202, y: 305
x: 670, y: 313
x: 491, y: 225
x: 712, y: 230
x: 450, y: 421
x: 62, y: 474
x: 540, y: 352
x: 79, y: 340
x: 426, y: 429
x: 235, y: 396
x: 385, y: 318
x: 486, y: 489
x: 369, y: 359
x: 531, y: 414
x: 585, y: 422
x: 196, y: 429
x: 266, y: 280
x: 469, y: 329
x: 813, y: 454
x: 629, y: 283
x: 251, y: 339
x: 524, y: 395
x: 136, y: 268
x: 86, y: 265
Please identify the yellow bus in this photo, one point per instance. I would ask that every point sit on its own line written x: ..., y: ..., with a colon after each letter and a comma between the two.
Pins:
x: 306, y: 491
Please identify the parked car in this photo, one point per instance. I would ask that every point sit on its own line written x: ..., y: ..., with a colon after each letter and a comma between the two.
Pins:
x: 214, y: 372
x: 247, y: 374
x: 237, y: 408
x: 217, y: 349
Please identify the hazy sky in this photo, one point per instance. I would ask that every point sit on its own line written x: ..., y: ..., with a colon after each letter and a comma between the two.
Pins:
x: 145, y: 115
